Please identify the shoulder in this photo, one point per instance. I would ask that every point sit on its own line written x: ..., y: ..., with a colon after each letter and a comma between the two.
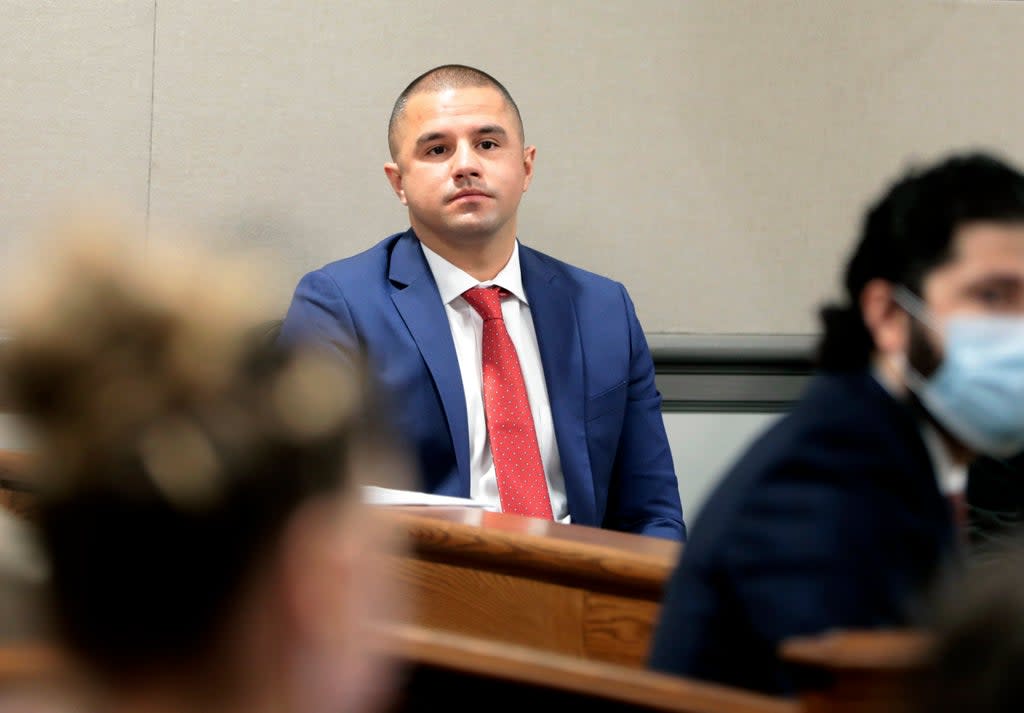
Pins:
x: 844, y: 451
x: 845, y: 425
x: 593, y: 295
x: 536, y: 261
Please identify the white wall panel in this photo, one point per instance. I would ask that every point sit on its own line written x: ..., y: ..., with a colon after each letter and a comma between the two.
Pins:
x: 704, y: 446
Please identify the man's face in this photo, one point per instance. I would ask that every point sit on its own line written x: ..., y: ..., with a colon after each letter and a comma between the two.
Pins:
x: 985, y: 275
x: 982, y: 278
x: 461, y: 167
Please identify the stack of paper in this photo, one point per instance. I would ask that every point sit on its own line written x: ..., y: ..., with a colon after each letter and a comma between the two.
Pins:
x: 375, y: 495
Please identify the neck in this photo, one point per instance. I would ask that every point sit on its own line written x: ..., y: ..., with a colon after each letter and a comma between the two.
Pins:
x: 483, y: 258
x: 895, y: 381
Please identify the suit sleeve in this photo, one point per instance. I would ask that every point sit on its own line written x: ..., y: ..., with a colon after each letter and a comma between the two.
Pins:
x: 798, y: 560
x: 645, y: 493
x: 319, y: 314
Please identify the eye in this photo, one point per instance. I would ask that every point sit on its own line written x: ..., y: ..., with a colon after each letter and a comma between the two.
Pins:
x: 488, y: 144
x: 436, y: 151
x: 991, y: 295
x: 996, y: 295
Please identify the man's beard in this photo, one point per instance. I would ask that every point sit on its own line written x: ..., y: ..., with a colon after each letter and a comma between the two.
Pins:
x: 922, y: 356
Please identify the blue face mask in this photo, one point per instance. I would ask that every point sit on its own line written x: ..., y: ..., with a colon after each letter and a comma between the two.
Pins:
x: 977, y: 393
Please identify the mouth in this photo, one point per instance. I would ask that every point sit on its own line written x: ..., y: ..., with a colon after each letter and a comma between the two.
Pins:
x: 468, y: 194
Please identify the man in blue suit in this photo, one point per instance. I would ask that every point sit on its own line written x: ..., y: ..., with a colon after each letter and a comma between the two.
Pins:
x: 842, y: 514
x: 460, y: 165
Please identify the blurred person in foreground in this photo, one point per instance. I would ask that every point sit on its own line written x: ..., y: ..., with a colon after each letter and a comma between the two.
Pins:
x: 198, y: 510
x: 975, y: 661
x: 843, y: 514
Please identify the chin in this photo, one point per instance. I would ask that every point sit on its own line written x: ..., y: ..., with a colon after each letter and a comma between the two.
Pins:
x: 472, y: 230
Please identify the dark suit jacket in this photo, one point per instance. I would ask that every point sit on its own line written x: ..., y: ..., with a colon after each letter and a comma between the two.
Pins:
x: 995, y: 494
x: 832, y: 518
x: 600, y: 377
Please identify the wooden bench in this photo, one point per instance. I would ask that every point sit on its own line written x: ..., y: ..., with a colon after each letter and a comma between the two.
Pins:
x: 858, y: 671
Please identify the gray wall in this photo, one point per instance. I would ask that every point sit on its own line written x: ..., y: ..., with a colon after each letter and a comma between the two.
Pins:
x: 712, y: 154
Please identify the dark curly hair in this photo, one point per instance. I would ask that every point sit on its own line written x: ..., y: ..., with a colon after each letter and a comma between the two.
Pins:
x: 909, y: 232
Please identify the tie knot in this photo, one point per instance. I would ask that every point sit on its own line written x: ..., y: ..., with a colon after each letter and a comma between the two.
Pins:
x: 485, y: 300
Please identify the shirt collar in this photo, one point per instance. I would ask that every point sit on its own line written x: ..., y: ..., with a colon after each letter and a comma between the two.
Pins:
x: 950, y: 476
x: 453, y: 281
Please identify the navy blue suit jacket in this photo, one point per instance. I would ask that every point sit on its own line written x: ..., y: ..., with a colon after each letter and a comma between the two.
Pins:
x: 600, y: 377
x: 832, y: 519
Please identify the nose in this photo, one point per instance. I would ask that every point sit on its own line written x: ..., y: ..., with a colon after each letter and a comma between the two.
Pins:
x: 465, y: 162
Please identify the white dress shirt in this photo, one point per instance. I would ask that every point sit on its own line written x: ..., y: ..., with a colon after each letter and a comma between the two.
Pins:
x: 950, y: 475
x: 467, y: 333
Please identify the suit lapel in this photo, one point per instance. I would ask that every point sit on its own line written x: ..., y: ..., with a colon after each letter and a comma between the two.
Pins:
x: 419, y: 303
x: 554, y: 319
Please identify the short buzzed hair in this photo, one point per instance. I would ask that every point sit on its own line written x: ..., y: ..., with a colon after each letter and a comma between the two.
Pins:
x: 447, y: 76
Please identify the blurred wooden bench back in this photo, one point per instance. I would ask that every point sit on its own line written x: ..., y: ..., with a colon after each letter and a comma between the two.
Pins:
x: 454, y: 672
x: 859, y: 671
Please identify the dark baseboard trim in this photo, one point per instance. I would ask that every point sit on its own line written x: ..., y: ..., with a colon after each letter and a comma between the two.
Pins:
x: 731, y: 373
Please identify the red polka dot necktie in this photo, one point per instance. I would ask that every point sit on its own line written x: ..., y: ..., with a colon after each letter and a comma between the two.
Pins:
x: 518, y: 469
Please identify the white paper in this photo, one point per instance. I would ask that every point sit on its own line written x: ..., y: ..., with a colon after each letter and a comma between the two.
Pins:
x: 375, y: 495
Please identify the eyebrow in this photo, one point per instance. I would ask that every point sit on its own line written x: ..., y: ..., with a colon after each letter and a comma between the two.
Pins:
x: 995, y: 280
x: 427, y: 138
x: 485, y: 130
x: 491, y: 129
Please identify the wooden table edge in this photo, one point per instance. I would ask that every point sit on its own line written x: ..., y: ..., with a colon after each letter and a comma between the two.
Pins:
x: 619, y: 570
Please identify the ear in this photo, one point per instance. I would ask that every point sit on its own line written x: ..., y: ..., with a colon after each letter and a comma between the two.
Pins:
x: 887, y: 322
x: 394, y: 175
x: 529, y: 154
